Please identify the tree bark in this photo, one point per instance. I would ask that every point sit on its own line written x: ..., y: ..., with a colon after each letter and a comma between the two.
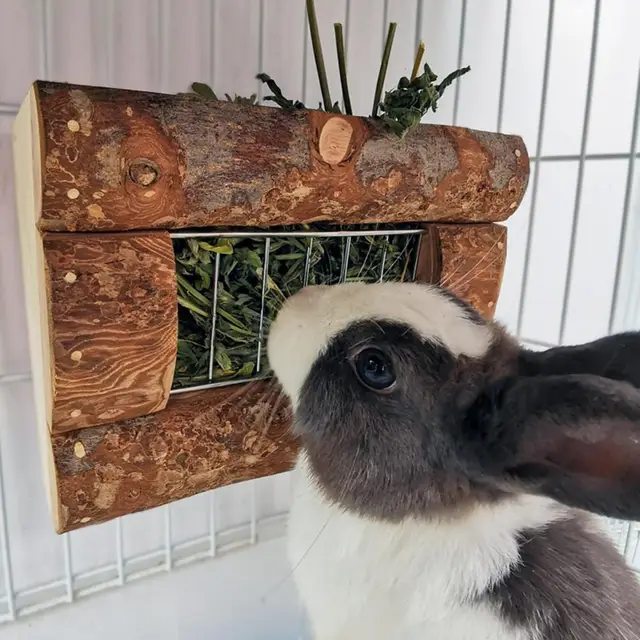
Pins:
x: 202, y: 440
x: 120, y: 160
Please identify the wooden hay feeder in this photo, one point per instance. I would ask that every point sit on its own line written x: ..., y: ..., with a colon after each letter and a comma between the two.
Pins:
x: 110, y: 181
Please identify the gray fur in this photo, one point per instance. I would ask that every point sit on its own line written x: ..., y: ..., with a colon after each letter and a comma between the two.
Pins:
x: 571, y: 584
x: 456, y: 432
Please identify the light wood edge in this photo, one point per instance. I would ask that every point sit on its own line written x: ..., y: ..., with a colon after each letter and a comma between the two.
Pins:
x: 27, y: 158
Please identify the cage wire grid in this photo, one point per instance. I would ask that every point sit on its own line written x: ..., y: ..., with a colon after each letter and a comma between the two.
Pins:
x: 74, y: 585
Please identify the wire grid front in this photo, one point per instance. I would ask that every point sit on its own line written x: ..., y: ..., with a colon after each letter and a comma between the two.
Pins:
x: 410, y: 236
x: 580, y: 38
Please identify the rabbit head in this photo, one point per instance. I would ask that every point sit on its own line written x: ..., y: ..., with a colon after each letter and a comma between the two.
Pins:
x: 408, y: 403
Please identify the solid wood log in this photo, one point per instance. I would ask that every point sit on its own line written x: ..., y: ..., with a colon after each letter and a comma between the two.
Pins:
x: 202, y: 440
x: 121, y: 160
x: 213, y: 438
x: 113, y: 325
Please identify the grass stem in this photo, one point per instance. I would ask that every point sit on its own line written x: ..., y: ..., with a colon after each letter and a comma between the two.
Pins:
x: 342, y: 66
x: 418, y: 60
x: 317, y: 54
x: 384, y: 64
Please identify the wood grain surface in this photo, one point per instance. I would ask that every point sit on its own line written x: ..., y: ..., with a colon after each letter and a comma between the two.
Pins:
x: 199, y: 442
x: 122, y: 160
x: 473, y: 259
x: 112, y: 325
x: 467, y: 259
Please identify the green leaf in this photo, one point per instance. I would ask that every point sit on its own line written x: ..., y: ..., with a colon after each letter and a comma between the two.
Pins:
x: 290, y: 256
x: 194, y: 246
x: 192, y: 307
x: 203, y: 90
x: 225, y: 249
x: 450, y: 78
x: 277, y: 96
x: 253, y: 259
x: 403, y: 107
x: 191, y: 290
x: 246, y: 369
x: 223, y: 359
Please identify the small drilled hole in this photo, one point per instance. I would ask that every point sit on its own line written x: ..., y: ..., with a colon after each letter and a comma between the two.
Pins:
x: 144, y: 172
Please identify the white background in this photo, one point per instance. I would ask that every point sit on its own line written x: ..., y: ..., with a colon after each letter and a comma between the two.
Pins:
x: 575, y: 105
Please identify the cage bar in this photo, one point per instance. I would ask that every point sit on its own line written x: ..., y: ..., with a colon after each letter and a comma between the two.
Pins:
x: 414, y: 270
x: 307, y: 264
x: 536, y: 168
x: 14, y: 377
x: 581, y: 169
x: 503, y: 68
x: 214, y: 316
x: 119, y: 552
x: 253, y: 525
x: 68, y: 572
x: 344, y: 267
x: 384, y: 258
x: 168, y: 551
x: 217, y: 384
x: 46, y: 39
x: 265, y: 286
x: 6, y: 556
x: 627, y: 543
x: 463, y: 28
x: 336, y: 233
x: 626, y: 211
x: 213, y: 548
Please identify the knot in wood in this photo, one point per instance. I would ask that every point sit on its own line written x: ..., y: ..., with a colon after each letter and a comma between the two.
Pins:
x: 335, y: 140
x: 144, y: 172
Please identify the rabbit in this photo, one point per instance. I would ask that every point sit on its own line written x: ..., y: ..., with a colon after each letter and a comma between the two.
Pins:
x: 450, y: 482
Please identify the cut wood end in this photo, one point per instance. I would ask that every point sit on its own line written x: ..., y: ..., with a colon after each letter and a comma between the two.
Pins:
x: 335, y: 140
x: 27, y: 158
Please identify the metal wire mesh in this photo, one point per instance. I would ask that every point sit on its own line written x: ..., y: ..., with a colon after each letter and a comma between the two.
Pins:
x: 73, y: 584
x: 318, y: 246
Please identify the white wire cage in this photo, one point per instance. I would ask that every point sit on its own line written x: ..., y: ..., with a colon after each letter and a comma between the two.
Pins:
x: 492, y: 37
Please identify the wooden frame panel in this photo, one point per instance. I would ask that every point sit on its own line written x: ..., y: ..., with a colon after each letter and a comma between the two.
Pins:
x: 102, y: 307
x: 113, y: 325
x: 118, y: 160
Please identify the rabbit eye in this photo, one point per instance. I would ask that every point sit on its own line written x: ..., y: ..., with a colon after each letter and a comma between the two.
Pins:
x: 374, y: 369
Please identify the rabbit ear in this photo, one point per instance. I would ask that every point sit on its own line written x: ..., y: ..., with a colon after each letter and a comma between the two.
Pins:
x: 574, y: 438
x: 616, y: 357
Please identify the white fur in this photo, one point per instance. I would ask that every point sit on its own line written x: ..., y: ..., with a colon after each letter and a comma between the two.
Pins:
x: 310, y: 319
x: 364, y: 579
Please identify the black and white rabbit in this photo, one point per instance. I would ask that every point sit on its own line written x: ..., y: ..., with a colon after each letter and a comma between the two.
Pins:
x: 447, y: 476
